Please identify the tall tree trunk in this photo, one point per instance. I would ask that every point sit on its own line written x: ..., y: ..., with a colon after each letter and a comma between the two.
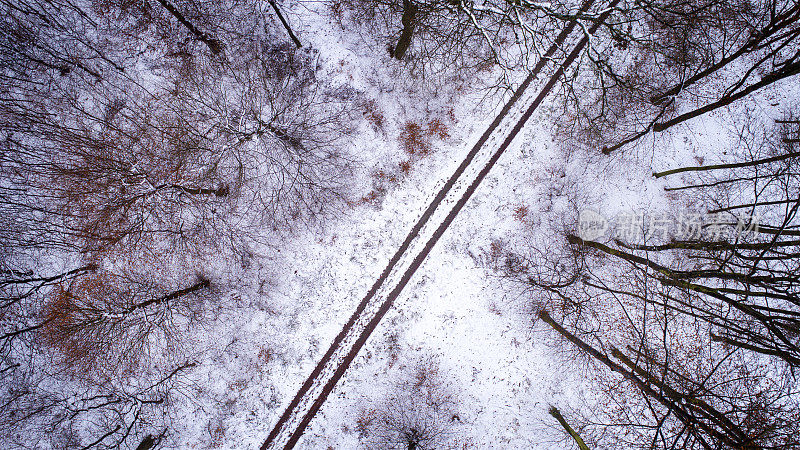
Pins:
x: 557, y: 414
x: 409, y: 20
x: 786, y: 71
x: 213, y: 44
x: 688, y: 419
x: 285, y: 24
x: 201, y: 284
x: 221, y: 191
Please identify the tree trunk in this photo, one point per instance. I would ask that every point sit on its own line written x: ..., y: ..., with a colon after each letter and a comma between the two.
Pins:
x: 409, y: 20
x: 213, y: 44
x: 202, y: 284
x: 787, y: 71
x: 285, y: 24
x: 728, y: 166
x: 557, y: 414
x: 221, y: 191
x: 687, y: 419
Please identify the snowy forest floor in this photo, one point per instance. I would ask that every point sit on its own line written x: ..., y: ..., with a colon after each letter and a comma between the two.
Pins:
x: 454, y: 313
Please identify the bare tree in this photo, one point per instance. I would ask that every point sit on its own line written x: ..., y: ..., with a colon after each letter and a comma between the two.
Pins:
x: 419, y: 414
x: 139, y: 141
x: 107, y: 321
x: 690, y: 336
x: 99, y: 414
x: 440, y: 36
x: 666, y: 400
x: 664, y: 63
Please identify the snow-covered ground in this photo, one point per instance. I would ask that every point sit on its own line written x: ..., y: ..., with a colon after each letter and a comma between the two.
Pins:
x: 293, y: 301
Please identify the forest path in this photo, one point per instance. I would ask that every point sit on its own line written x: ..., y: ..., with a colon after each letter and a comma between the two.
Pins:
x: 431, y: 225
